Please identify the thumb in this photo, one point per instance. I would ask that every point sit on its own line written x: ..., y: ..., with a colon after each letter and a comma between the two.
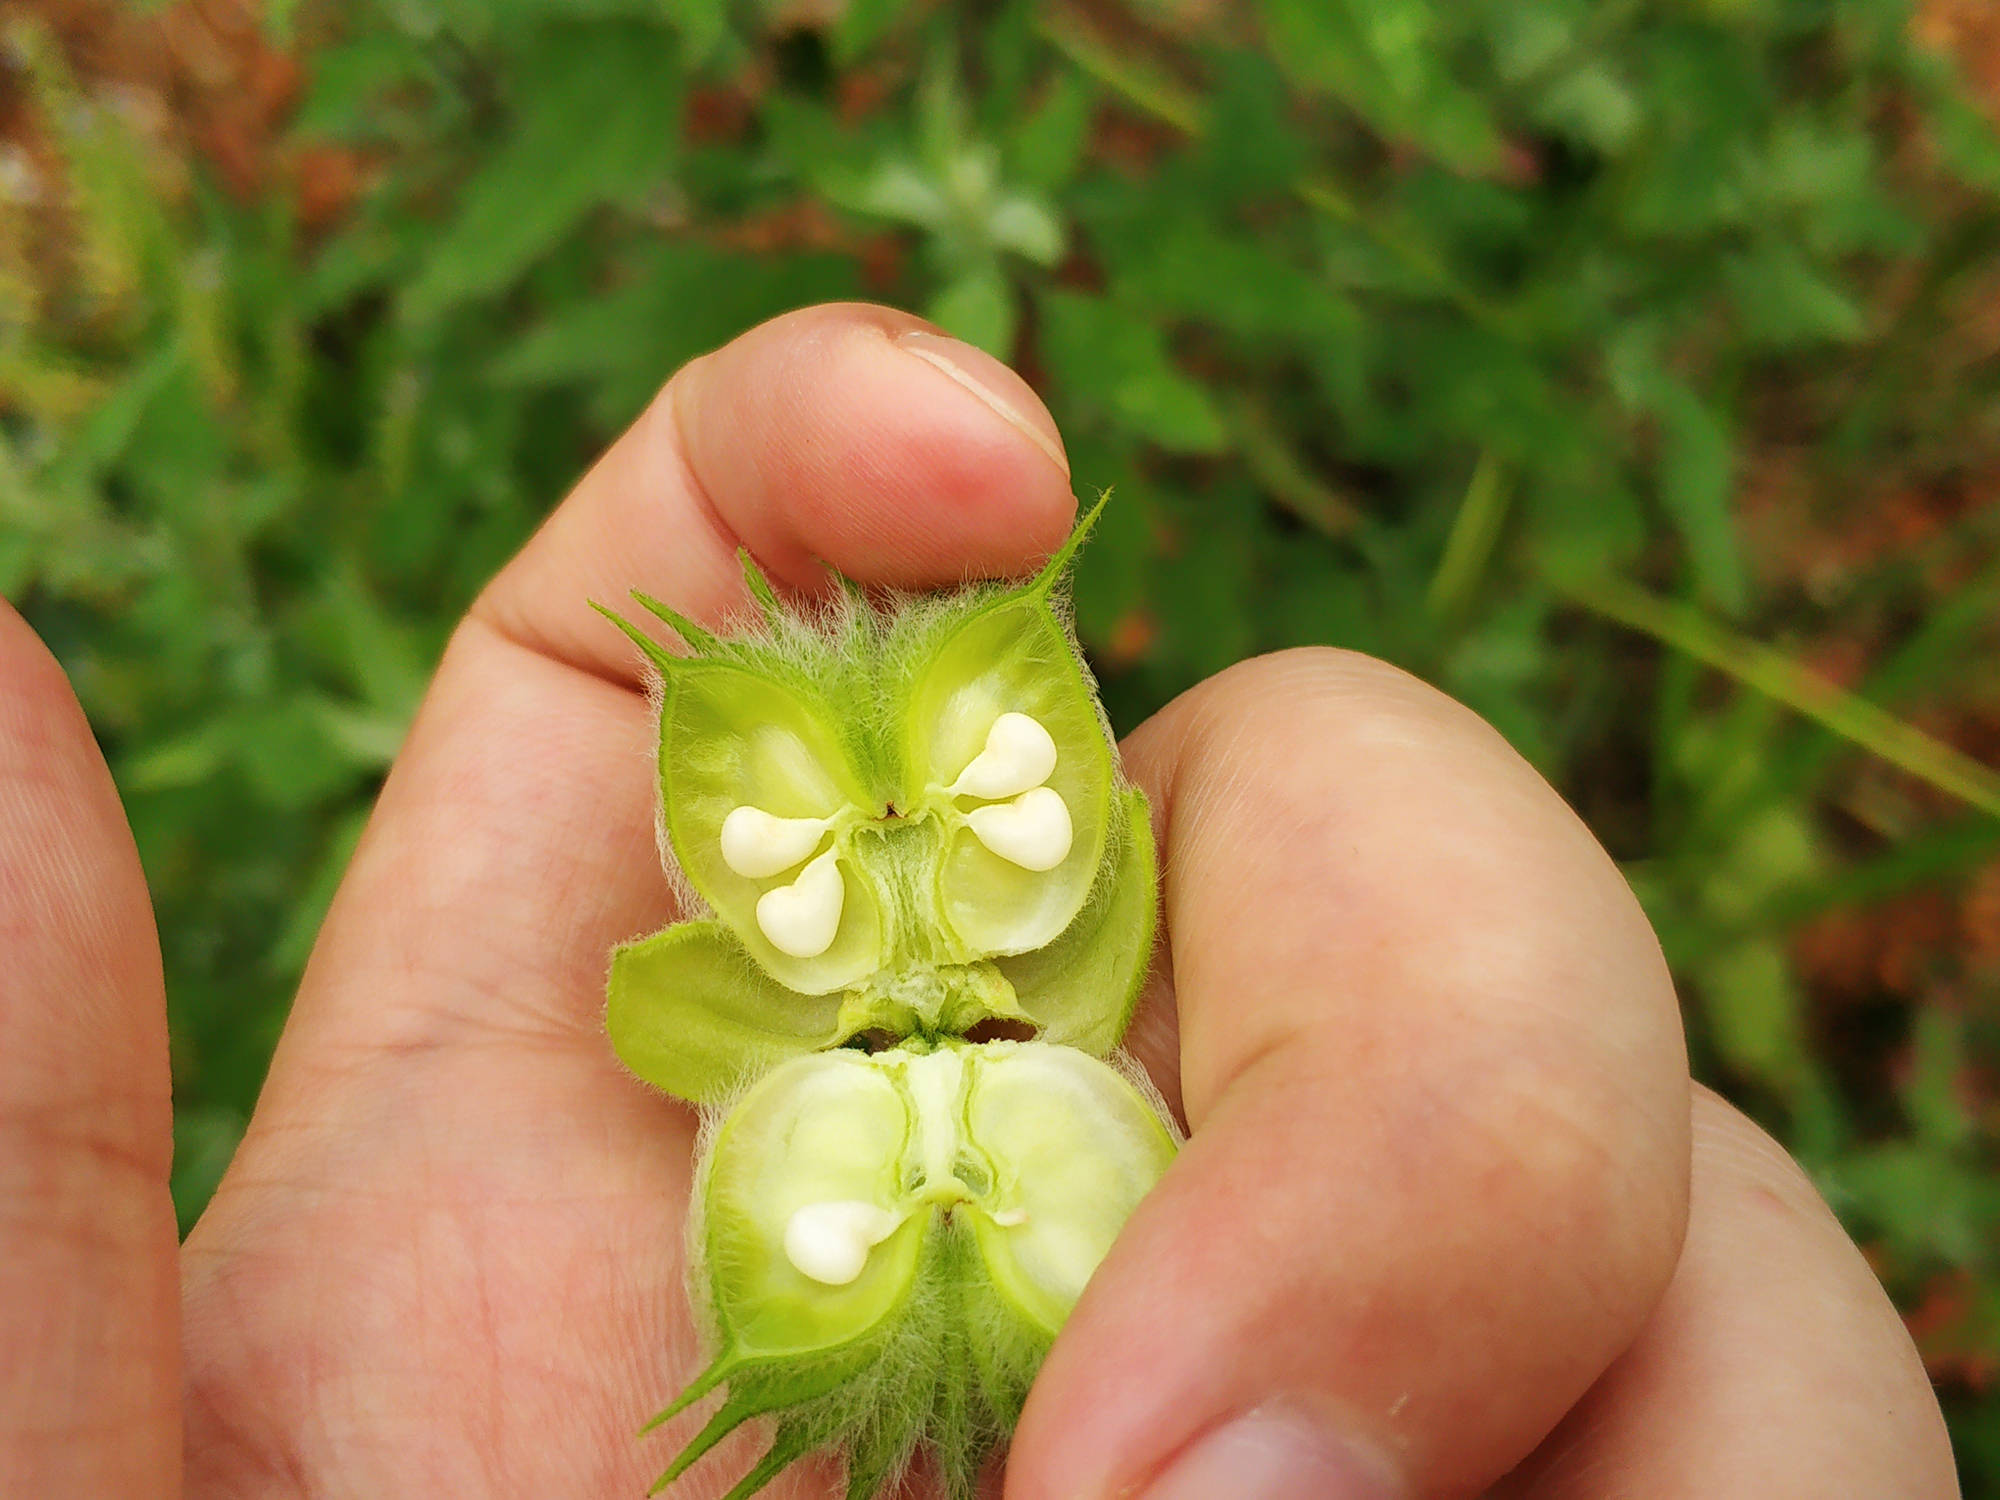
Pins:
x: 1437, y: 1166
x: 89, y: 1336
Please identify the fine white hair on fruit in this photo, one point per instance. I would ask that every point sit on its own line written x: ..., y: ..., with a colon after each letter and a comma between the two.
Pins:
x: 757, y: 844
x: 829, y: 1242
x: 1032, y: 831
x: 839, y: 775
x: 801, y: 919
x: 1019, y: 755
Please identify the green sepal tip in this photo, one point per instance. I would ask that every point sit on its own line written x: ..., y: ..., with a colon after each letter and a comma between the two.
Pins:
x: 759, y: 585
x: 653, y: 651
x: 704, y: 641
x: 1057, y: 568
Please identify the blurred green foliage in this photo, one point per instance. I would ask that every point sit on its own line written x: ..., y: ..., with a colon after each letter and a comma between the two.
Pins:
x: 1455, y: 331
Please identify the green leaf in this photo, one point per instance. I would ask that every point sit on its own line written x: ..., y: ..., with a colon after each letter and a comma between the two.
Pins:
x: 1696, y: 478
x: 1243, y: 283
x: 598, y: 119
x: 689, y: 1012
x: 1388, y: 61
x: 685, y: 298
x: 1114, y: 357
x: 293, y: 754
x: 703, y: 26
x: 863, y: 24
x: 101, y: 439
x: 1045, y: 148
x: 1027, y: 226
x: 1783, y: 299
x: 1755, y: 1014
x: 979, y: 308
x: 896, y: 188
x: 343, y: 101
x: 1595, y: 106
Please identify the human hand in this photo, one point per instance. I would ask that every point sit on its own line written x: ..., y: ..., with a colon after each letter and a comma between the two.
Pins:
x: 1426, y: 1237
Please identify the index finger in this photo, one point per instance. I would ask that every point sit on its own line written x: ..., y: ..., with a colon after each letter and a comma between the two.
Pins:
x: 844, y: 435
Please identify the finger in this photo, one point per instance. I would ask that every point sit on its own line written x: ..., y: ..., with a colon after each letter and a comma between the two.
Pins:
x: 89, y: 1383
x: 1774, y: 1368
x: 847, y: 435
x: 1432, y: 1066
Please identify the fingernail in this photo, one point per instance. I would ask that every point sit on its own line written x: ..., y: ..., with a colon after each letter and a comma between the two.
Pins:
x: 1275, y: 1454
x: 1006, y: 393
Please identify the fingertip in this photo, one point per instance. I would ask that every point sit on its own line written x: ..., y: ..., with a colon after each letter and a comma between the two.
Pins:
x: 847, y: 436
x: 860, y: 437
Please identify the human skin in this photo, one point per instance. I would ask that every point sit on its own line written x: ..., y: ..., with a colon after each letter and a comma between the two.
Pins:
x: 1430, y: 1236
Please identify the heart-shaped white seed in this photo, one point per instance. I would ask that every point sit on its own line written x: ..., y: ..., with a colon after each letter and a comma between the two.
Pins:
x: 1019, y: 754
x: 756, y: 844
x: 830, y: 1241
x: 1032, y: 831
x: 800, y: 919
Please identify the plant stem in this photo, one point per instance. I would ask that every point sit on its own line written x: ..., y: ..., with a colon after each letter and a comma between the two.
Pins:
x: 1474, y: 531
x: 1770, y: 672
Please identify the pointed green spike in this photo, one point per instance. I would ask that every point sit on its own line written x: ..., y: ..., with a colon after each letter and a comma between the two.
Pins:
x: 1058, y: 565
x: 655, y: 653
x: 871, y: 1460
x: 857, y: 592
x: 789, y: 1445
x: 701, y: 640
x: 723, y: 1367
x: 760, y: 587
x: 733, y: 1414
x: 862, y: 1484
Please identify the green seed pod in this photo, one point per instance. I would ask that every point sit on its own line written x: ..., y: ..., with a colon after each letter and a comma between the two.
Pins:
x: 886, y: 1245
x: 906, y: 816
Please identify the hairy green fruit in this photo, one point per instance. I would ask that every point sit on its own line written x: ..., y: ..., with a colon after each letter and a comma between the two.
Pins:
x: 904, y: 818
x: 887, y: 1243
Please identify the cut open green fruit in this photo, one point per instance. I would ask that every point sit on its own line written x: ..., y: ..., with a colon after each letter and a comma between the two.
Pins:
x: 889, y: 1242
x: 906, y: 817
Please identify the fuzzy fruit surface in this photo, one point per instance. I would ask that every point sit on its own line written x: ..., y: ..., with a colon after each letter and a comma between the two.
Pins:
x: 974, y: 1188
x: 903, y: 815
x: 895, y: 819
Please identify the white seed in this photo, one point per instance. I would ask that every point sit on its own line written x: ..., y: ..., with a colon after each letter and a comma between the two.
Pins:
x: 830, y: 1241
x: 1032, y: 831
x: 801, y: 919
x: 1019, y: 754
x: 756, y: 844
x: 1011, y: 1218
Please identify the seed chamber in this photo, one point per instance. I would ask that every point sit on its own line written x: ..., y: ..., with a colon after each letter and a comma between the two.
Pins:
x: 905, y: 820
